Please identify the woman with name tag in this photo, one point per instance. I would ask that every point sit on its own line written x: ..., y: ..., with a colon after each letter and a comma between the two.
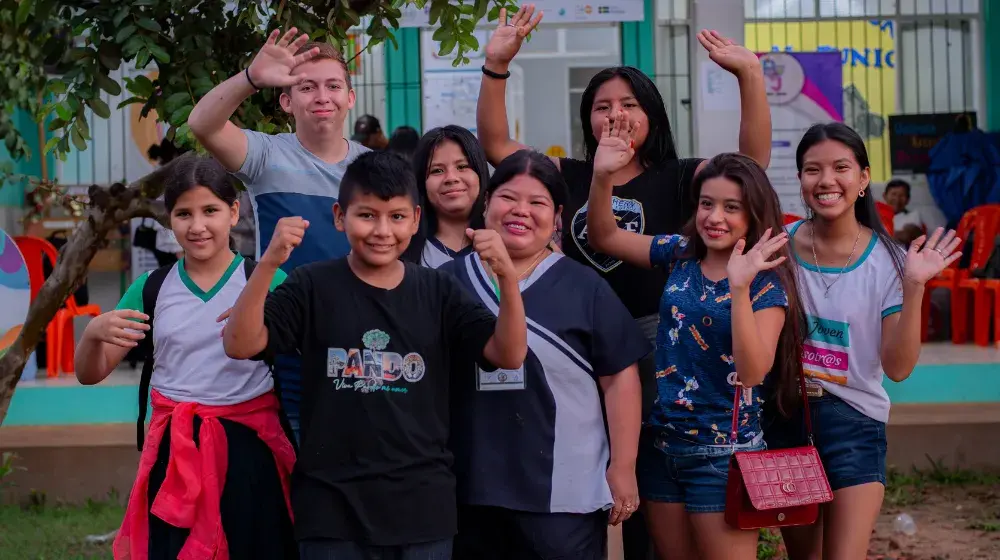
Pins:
x: 722, y: 329
x: 862, y: 299
x: 653, y: 193
x: 531, y: 452
x: 451, y: 172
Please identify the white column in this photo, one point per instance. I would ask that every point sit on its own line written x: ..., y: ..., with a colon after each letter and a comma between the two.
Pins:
x: 715, y: 91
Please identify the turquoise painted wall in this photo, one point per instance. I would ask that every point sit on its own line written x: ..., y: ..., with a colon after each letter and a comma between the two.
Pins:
x: 73, y: 404
x: 638, y: 48
x: 991, y: 49
x: 13, y: 195
x: 404, y: 105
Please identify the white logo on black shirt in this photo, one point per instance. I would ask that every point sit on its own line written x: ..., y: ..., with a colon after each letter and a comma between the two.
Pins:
x: 629, y: 216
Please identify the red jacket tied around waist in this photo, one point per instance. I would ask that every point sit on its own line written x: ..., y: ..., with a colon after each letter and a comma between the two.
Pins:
x: 192, y: 490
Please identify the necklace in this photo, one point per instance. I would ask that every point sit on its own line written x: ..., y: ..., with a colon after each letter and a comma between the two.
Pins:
x: 701, y: 282
x: 812, y: 239
x: 462, y: 244
x: 531, y: 267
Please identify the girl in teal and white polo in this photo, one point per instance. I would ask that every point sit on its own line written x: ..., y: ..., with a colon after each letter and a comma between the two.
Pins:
x: 213, y: 475
x: 862, y: 299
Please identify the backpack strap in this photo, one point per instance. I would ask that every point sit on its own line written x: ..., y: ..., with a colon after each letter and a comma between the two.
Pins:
x: 248, y: 266
x: 150, y: 290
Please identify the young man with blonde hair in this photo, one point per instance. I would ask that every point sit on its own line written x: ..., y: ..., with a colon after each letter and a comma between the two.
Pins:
x: 288, y: 174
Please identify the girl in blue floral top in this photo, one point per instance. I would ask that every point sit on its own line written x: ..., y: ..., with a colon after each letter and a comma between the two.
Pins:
x: 728, y: 317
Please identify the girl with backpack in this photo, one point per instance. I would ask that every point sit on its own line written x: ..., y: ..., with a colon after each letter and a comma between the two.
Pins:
x: 214, y: 471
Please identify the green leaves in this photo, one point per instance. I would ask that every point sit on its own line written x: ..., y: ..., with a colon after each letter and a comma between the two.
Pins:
x: 72, y: 52
x: 120, y: 16
x: 124, y: 33
x: 23, y: 10
x: 149, y: 25
x: 140, y: 86
x: 99, y: 107
x: 176, y: 101
x: 157, y: 52
x: 107, y: 84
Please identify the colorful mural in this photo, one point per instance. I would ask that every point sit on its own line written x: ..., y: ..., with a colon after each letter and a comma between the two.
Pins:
x: 15, y: 291
x: 868, y: 58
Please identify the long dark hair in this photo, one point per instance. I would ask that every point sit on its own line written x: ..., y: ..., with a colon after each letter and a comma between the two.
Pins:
x: 535, y: 165
x: 864, y: 209
x: 422, y: 156
x: 763, y: 208
x: 659, y: 145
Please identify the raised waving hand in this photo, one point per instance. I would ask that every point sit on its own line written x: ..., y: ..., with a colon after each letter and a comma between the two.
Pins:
x: 616, y: 146
x: 275, y: 63
x: 509, y: 35
x: 743, y: 267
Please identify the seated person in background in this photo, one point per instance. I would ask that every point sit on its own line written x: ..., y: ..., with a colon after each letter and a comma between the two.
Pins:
x: 907, y: 224
x: 368, y: 132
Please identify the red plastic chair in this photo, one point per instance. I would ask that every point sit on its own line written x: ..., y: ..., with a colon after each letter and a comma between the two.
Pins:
x: 886, y: 214
x: 34, y: 250
x: 992, y: 288
x: 60, y: 342
x: 949, y: 278
x: 976, y: 223
x: 981, y: 290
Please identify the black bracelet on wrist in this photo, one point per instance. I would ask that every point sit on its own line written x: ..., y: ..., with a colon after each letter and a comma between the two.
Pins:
x: 247, y: 72
x: 495, y: 75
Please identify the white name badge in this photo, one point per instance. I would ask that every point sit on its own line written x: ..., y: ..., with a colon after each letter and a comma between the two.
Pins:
x: 501, y: 379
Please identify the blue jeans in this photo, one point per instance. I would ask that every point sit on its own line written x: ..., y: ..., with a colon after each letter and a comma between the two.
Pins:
x: 288, y: 380
x: 851, y: 445
x: 673, y: 470
x: 330, y: 549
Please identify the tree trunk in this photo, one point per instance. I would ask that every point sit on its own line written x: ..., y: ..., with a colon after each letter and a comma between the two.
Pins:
x: 109, y: 207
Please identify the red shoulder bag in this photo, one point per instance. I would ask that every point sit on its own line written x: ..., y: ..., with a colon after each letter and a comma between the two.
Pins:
x: 778, y: 488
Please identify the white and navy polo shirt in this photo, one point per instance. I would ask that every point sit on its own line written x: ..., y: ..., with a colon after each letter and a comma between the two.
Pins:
x: 534, y: 439
x: 190, y: 363
x: 436, y: 254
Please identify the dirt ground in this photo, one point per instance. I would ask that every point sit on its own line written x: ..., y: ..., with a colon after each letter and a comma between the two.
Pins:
x: 957, y: 516
x: 954, y: 522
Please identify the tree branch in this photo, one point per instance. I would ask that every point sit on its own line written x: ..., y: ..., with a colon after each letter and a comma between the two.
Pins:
x: 109, y: 207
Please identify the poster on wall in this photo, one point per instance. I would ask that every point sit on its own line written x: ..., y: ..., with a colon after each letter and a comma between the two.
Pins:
x: 556, y: 11
x: 868, y: 62
x: 802, y: 89
x: 450, y: 94
x: 911, y: 137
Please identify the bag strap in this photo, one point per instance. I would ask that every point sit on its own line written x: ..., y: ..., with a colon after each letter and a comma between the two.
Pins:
x: 805, y: 409
x: 150, y: 291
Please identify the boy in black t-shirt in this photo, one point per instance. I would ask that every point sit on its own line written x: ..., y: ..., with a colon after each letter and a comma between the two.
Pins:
x: 377, y: 338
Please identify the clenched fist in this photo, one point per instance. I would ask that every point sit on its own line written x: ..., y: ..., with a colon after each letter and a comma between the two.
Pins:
x: 490, y: 248
x: 287, y: 236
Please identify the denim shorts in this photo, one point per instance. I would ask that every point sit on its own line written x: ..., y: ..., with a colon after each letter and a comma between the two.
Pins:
x: 673, y: 470
x: 851, y: 445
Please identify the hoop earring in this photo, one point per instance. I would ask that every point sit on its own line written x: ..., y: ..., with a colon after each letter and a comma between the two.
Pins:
x: 861, y: 193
